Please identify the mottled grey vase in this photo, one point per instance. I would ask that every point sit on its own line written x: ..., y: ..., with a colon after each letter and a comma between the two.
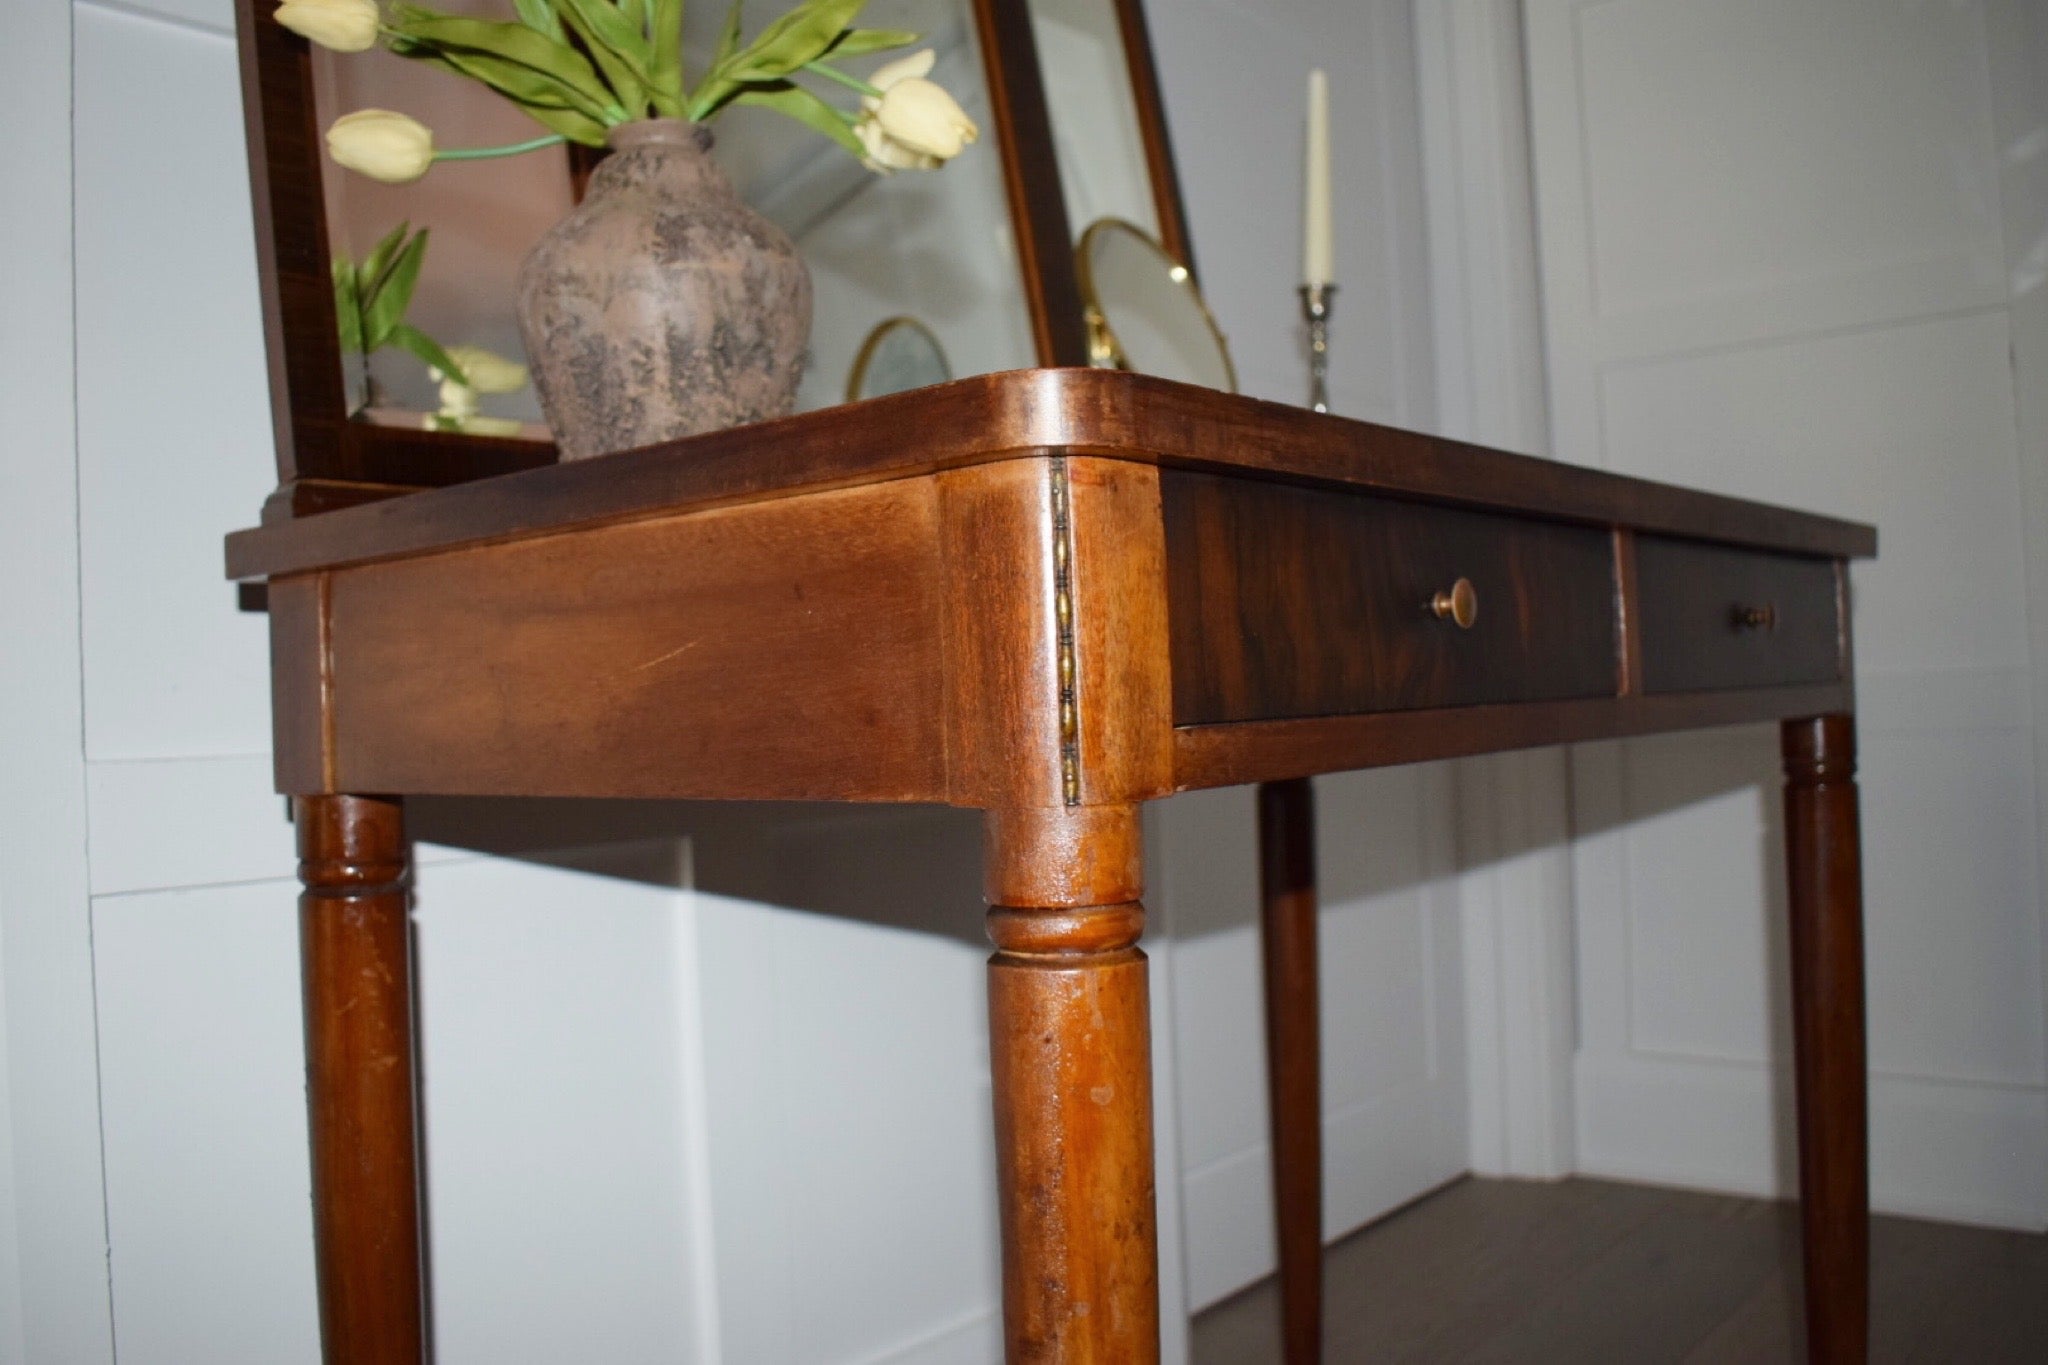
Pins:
x: 662, y: 306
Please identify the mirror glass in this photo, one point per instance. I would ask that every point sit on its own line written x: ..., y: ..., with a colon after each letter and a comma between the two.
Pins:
x: 1144, y: 311
x: 937, y: 245
x: 481, y: 217
x: 900, y: 354
x: 1095, y: 130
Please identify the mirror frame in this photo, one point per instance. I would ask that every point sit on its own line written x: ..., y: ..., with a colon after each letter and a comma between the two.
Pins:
x: 326, y: 459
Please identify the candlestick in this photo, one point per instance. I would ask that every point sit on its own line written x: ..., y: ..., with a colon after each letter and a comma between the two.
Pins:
x: 1315, y: 305
x: 1315, y: 208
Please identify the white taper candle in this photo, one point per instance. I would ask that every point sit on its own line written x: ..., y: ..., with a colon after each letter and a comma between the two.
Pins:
x: 1315, y: 209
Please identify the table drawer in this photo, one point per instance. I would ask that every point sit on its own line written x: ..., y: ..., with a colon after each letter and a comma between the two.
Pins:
x: 1713, y: 616
x: 1288, y: 602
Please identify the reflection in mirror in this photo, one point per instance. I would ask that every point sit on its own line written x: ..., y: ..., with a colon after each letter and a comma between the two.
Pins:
x: 482, y: 216
x: 899, y: 354
x: 1144, y: 311
x: 937, y: 245
x: 1094, y: 111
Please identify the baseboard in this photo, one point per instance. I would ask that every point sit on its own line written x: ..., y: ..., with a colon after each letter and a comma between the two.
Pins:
x: 1227, y: 1208
x: 1957, y: 1151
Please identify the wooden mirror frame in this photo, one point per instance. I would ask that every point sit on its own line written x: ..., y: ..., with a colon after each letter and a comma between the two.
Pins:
x: 326, y: 459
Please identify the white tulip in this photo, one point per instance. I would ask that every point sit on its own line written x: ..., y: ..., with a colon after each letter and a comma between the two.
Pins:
x: 918, y: 64
x: 383, y: 145
x: 914, y: 125
x: 487, y: 371
x: 344, y: 25
x: 924, y: 118
x: 458, y: 400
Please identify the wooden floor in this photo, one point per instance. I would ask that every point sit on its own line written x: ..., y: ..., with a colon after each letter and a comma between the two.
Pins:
x: 1589, y: 1271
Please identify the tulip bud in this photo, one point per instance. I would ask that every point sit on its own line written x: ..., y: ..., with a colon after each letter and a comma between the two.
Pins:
x: 382, y: 145
x: 924, y: 118
x: 343, y: 25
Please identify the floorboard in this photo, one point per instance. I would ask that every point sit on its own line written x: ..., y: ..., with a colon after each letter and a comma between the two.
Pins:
x: 1593, y: 1270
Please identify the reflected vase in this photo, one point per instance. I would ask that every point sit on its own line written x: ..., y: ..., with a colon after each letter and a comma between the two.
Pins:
x: 662, y: 306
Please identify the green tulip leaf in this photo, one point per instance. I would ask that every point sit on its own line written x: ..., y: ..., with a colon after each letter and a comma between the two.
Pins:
x: 858, y: 42
x: 806, y: 108
x: 539, y: 15
x: 797, y: 37
x: 348, y: 314
x: 384, y: 309
x: 375, y: 265
x: 717, y: 87
x: 543, y: 100
x: 728, y: 38
x: 618, y: 51
x: 665, y: 23
x: 515, y: 43
x: 407, y: 337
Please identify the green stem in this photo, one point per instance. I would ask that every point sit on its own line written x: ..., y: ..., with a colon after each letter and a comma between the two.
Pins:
x: 850, y: 82
x: 486, y: 153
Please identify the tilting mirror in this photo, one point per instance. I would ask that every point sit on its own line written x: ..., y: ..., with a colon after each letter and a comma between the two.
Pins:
x: 899, y: 355
x: 981, y: 252
x: 1144, y: 310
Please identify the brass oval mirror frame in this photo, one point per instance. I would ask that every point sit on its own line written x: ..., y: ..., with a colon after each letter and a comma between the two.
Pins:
x: 325, y: 460
x: 1104, y: 348
x: 864, y: 360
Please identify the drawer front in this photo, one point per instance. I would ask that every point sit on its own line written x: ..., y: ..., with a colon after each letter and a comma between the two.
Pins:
x: 1289, y: 602
x: 1714, y: 617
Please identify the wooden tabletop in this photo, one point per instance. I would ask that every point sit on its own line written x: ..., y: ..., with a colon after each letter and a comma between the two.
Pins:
x: 1020, y: 413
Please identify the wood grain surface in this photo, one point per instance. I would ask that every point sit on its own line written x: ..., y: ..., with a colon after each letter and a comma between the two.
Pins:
x: 1294, y: 1078
x: 790, y: 649
x: 1692, y: 603
x: 1289, y: 602
x: 354, y: 935
x: 1824, y: 867
x: 1023, y: 413
x: 1070, y: 1062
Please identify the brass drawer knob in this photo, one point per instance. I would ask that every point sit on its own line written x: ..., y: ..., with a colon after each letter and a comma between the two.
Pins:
x: 1747, y: 617
x: 1458, y: 604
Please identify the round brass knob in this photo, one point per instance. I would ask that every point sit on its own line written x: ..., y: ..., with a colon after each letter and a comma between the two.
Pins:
x: 1458, y: 604
x: 1764, y: 617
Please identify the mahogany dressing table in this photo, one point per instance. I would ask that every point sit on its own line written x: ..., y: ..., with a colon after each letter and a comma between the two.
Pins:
x: 1051, y: 595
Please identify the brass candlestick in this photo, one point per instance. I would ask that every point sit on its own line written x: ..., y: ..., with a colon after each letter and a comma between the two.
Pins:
x: 1315, y: 306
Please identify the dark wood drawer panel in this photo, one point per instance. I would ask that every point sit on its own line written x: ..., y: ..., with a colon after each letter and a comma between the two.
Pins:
x: 1713, y: 616
x: 1287, y: 602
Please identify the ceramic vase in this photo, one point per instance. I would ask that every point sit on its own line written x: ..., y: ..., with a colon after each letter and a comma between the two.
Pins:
x: 662, y: 306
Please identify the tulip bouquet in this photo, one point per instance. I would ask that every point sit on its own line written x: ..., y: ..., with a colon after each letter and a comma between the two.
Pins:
x: 583, y: 67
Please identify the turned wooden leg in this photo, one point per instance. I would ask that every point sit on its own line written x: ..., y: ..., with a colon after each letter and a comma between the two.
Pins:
x: 1287, y: 894
x: 1070, y: 1046
x: 353, y: 939
x: 1823, y: 856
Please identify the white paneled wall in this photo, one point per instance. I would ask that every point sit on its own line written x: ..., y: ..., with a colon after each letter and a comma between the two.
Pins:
x: 1393, y: 1063
x: 53, y: 1289
x: 1777, y: 263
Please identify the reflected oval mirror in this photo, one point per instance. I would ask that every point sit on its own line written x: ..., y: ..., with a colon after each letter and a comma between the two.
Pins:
x: 1144, y: 311
x: 899, y: 354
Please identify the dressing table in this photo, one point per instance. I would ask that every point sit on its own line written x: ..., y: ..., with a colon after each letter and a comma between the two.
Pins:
x: 1050, y: 594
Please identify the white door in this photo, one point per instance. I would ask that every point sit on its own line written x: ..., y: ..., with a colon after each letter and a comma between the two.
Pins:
x: 1787, y: 253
